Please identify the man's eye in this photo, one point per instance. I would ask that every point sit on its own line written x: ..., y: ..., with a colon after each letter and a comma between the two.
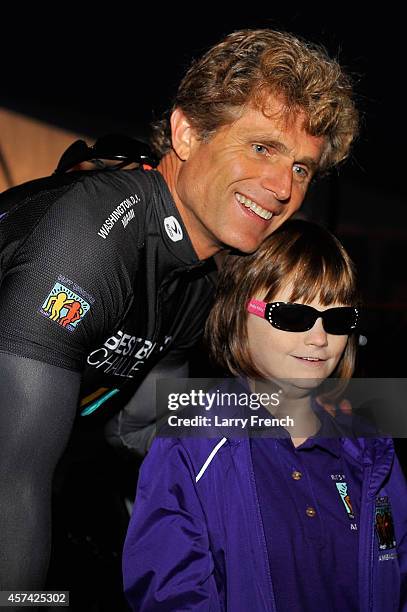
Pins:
x: 300, y: 171
x: 258, y: 148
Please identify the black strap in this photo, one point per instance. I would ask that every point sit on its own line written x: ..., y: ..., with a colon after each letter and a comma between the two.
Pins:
x: 118, y: 147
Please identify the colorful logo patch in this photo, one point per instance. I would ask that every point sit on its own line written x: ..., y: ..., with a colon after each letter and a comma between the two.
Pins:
x: 64, y: 306
x: 384, y: 524
x: 343, y: 492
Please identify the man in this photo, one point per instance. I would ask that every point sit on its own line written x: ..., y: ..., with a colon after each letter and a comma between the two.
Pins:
x: 105, y: 275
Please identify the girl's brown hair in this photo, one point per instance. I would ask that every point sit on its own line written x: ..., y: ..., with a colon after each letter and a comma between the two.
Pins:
x: 299, y: 252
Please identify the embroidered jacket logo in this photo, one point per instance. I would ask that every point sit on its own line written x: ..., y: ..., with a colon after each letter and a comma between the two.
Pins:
x: 173, y: 229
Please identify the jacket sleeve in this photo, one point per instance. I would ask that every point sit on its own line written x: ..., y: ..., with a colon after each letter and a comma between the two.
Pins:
x: 167, y: 562
x: 400, y: 520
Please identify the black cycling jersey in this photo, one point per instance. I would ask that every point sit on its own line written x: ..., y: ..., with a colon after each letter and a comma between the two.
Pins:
x: 98, y: 275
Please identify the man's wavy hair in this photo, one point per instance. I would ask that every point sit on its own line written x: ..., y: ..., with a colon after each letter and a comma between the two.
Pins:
x: 300, y: 253
x: 250, y: 65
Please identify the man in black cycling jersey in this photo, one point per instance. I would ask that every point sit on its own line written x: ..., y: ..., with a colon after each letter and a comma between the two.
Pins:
x: 106, y: 276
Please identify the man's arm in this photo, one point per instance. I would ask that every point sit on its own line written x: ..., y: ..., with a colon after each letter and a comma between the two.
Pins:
x: 134, y: 427
x: 54, y: 268
x: 37, y: 408
x: 167, y: 562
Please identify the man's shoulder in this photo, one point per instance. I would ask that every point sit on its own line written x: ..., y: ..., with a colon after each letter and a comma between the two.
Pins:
x: 86, y: 189
x: 105, y: 208
x: 21, y: 206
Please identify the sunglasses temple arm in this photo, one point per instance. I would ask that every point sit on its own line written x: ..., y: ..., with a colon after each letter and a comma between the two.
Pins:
x: 257, y: 307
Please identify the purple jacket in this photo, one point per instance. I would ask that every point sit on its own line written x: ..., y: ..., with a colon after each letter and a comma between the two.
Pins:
x: 196, y: 540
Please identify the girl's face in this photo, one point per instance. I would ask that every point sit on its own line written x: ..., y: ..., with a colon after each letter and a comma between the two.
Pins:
x: 278, y: 354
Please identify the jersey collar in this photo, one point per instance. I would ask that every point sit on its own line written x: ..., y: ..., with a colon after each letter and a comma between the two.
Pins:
x: 171, y: 226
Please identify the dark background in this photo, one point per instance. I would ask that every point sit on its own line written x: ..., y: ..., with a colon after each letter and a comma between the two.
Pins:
x: 121, y: 71
x: 116, y: 70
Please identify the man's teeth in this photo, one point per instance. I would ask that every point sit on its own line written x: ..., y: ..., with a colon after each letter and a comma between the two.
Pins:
x: 261, y: 212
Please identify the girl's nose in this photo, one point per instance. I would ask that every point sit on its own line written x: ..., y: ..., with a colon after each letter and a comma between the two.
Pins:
x: 316, y: 335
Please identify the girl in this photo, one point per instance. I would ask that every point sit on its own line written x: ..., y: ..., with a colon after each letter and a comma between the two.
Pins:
x: 300, y: 520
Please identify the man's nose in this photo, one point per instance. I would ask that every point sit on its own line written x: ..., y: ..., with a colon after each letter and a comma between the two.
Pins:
x: 279, y: 179
x: 317, y: 335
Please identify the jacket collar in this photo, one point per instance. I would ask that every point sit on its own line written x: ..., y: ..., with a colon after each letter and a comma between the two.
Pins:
x: 336, y: 435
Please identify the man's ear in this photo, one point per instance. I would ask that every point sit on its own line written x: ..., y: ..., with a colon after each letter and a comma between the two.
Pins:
x: 182, y: 134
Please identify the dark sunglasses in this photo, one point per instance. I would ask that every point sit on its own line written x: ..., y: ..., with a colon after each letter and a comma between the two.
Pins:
x: 119, y: 147
x: 290, y: 317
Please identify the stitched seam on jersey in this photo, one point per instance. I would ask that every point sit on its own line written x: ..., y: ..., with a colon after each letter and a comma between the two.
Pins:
x: 53, y: 362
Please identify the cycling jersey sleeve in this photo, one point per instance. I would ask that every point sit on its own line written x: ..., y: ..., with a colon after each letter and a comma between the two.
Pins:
x: 62, y: 286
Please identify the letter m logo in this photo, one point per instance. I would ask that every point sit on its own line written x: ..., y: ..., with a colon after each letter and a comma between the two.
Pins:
x: 173, y: 229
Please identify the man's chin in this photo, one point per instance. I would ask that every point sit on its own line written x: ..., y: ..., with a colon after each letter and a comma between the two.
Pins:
x: 244, y: 246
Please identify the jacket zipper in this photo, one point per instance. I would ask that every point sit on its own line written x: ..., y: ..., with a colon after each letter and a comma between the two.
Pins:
x: 366, y: 546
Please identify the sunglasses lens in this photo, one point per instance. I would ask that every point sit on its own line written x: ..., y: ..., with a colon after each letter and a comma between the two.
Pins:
x: 340, y: 321
x: 293, y: 317
x: 300, y: 317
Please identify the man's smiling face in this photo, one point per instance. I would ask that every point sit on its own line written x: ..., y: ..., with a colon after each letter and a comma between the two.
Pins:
x: 242, y: 183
